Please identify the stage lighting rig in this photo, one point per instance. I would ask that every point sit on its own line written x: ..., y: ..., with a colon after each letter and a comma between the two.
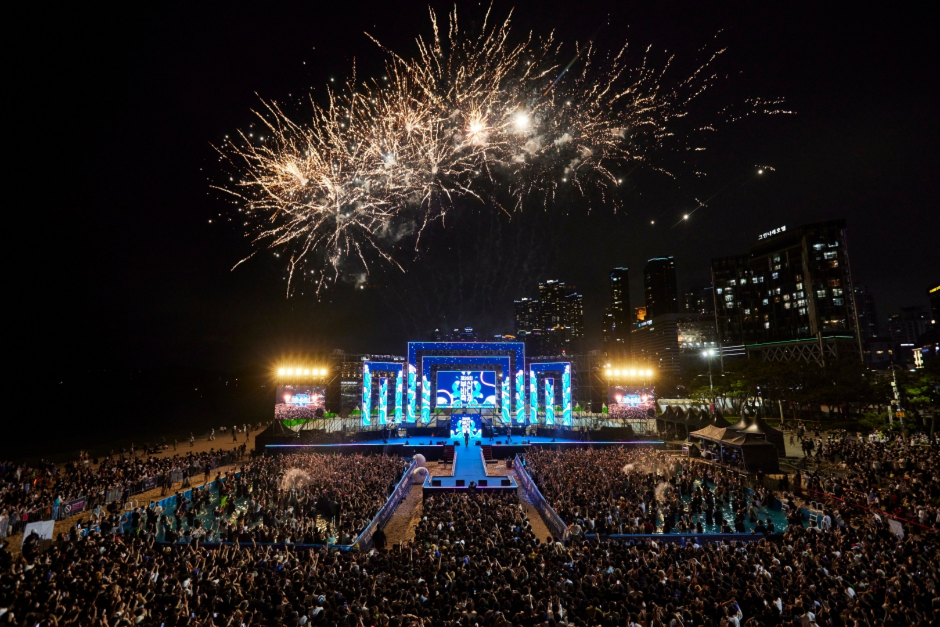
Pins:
x: 301, y: 373
x: 627, y: 373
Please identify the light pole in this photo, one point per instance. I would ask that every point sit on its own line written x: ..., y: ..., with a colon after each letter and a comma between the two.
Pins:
x: 707, y: 354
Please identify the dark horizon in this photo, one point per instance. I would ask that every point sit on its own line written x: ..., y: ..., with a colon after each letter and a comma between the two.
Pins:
x: 124, y: 109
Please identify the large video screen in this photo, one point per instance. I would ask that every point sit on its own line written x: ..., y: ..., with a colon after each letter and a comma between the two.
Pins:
x: 470, y: 424
x: 467, y: 388
x: 629, y: 396
x: 299, y: 402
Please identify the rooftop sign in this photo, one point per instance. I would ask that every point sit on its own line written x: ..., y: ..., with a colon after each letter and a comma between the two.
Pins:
x: 771, y: 233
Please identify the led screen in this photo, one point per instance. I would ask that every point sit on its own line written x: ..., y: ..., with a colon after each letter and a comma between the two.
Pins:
x: 299, y: 402
x: 467, y: 388
x: 470, y: 424
x: 629, y: 396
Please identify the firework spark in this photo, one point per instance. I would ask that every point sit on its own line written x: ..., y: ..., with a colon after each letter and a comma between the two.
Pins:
x: 465, y: 116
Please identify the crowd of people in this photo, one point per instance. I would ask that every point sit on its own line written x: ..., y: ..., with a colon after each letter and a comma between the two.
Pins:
x: 622, y: 490
x: 40, y: 491
x: 475, y: 561
x: 257, y: 547
x: 291, y: 499
x: 893, y: 476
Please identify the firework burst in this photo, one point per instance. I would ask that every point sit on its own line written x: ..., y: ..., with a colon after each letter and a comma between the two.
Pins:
x: 464, y: 116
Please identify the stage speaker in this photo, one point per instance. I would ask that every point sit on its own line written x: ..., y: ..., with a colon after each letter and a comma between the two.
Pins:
x: 460, y: 482
x: 479, y: 443
x: 436, y: 483
x: 482, y: 482
x: 505, y: 482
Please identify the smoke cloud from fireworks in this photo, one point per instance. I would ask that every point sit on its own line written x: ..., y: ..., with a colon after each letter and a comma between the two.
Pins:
x: 468, y: 117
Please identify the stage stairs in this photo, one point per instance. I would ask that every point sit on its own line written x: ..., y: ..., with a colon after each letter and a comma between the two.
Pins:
x: 449, y: 453
x: 487, y: 452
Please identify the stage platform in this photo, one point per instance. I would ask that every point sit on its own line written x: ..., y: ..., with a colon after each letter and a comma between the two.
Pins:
x: 433, y: 448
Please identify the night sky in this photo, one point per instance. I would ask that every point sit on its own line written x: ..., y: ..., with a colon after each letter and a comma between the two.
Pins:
x: 119, y: 108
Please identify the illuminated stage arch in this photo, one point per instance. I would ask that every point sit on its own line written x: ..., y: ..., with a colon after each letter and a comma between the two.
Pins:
x: 368, y: 369
x: 564, y: 369
x: 494, y: 351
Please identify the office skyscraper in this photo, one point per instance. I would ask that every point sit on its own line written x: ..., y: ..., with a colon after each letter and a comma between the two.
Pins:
x: 660, y: 286
x: 617, y: 318
x: 698, y: 300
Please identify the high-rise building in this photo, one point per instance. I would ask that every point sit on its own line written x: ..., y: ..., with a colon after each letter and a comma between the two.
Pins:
x: 698, y: 300
x: 527, y: 315
x: 552, y: 324
x: 659, y: 282
x: 867, y: 314
x: 790, y: 296
x: 616, y: 334
x: 909, y: 325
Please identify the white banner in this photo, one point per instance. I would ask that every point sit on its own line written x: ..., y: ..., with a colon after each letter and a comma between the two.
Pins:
x: 43, y: 527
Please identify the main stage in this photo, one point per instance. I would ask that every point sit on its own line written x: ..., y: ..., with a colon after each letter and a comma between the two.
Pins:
x: 433, y: 448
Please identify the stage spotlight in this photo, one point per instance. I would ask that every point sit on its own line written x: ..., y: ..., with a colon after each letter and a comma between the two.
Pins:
x: 290, y: 371
x: 649, y: 373
x: 322, y: 372
x: 306, y: 372
x: 280, y: 372
x: 632, y: 373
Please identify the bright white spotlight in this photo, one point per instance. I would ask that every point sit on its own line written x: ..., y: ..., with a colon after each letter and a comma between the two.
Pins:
x: 649, y: 373
x: 633, y: 373
x: 322, y: 372
x: 685, y: 217
x: 521, y: 121
x: 306, y: 372
x: 280, y: 372
x: 290, y: 371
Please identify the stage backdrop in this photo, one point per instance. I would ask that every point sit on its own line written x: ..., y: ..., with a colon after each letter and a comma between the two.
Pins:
x: 469, y: 423
x: 467, y: 388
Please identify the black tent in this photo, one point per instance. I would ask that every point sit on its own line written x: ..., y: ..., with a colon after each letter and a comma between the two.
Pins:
x: 755, y: 453
x: 743, y: 423
x: 760, y: 428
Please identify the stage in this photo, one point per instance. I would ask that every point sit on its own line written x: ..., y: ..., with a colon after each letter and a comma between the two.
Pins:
x: 433, y: 448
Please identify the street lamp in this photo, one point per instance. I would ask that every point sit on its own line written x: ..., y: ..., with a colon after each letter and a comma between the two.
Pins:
x: 707, y: 354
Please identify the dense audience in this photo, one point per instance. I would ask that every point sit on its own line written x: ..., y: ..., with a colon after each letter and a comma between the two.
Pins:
x: 892, y: 476
x: 639, y: 490
x: 40, y: 492
x: 474, y: 561
x: 303, y: 498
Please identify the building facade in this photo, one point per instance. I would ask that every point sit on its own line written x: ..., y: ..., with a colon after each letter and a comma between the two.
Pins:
x: 698, y: 300
x: 790, y: 296
x: 553, y: 324
x: 617, y: 318
x: 659, y: 284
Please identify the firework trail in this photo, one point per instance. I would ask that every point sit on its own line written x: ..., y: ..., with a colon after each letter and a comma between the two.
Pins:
x: 465, y: 116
